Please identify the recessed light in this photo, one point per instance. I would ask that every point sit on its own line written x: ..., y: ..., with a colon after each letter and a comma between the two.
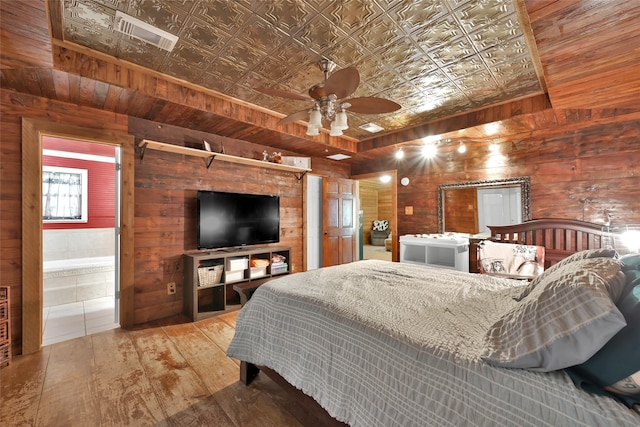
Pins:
x: 371, y: 127
x: 338, y: 156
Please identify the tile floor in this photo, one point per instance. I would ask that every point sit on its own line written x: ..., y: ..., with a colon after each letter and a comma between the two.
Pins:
x: 68, y: 321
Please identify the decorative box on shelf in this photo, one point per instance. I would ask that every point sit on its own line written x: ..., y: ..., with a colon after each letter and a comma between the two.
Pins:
x: 299, y: 162
x: 258, y: 272
x: 234, y: 264
x: 231, y: 276
x: 279, y: 268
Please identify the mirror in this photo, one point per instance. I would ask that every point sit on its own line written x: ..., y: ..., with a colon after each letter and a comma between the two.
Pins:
x: 468, y: 207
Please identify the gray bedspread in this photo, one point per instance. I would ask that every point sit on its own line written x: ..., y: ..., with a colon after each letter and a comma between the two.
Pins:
x: 387, y: 344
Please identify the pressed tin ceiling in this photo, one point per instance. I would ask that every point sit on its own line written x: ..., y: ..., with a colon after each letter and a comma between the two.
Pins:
x: 436, y: 58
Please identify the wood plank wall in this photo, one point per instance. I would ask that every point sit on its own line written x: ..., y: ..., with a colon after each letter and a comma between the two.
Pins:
x: 165, y: 215
x: 165, y: 188
x: 586, y: 167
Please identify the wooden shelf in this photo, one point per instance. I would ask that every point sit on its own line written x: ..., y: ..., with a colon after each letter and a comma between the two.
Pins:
x: 234, y: 286
x: 210, y: 156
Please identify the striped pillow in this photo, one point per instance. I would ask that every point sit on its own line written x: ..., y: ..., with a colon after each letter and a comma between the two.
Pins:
x: 563, y: 321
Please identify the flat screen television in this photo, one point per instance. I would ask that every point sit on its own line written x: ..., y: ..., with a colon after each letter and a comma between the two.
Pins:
x: 234, y: 219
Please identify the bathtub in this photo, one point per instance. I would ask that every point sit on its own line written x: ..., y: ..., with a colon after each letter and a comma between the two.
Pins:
x: 77, y: 279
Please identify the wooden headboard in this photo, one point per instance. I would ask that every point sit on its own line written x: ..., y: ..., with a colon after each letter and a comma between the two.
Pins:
x: 560, y: 237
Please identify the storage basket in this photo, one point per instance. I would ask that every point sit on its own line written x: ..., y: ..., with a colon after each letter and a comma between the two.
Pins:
x: 209, y: 275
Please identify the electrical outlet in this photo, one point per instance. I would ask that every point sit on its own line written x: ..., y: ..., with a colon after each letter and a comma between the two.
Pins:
x: 171, y: 288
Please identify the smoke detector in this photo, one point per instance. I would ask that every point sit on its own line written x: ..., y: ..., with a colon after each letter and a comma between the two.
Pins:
x: 137, y: 29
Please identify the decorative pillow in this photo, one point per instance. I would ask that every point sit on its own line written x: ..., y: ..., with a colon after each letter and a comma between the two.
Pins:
x: 630, y: 262
x: 380, y: 225
x: 615, y: 369
x: 568, y: 317
x: 510, y: 260
x: 588, y: 254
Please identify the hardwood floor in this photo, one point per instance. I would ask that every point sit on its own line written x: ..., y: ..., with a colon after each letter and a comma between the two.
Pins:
x: 161, y: 375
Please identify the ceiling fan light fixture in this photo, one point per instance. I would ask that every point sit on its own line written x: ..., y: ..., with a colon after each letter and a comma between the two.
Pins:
x: 312, y: 130
x: 341, y: 120
x: 336, y: 130
x: 315, y: 117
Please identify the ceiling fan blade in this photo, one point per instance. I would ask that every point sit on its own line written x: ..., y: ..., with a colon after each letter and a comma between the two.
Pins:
x: 343, y: 82
x: 372, y: 105
x: 283, y: 93
x: 300, y: 115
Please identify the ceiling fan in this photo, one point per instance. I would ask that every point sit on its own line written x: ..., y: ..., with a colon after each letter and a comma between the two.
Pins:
x: 329, y: 100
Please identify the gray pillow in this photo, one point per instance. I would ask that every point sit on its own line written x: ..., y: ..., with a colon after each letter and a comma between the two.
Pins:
x: 564, y: 320
x: 630, y: 262
x: 588, y: 254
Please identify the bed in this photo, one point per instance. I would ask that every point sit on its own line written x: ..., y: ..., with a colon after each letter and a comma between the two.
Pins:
x: 378, y: 343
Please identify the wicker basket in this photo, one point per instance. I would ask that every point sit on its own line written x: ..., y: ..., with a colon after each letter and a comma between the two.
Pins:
x: 209, y: 275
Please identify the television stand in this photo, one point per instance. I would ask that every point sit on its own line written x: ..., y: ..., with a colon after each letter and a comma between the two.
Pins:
x: 215, y: 282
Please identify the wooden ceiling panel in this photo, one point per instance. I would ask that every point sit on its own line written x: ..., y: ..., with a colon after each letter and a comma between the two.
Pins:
x: 24, y: 34
x: 589, y: 51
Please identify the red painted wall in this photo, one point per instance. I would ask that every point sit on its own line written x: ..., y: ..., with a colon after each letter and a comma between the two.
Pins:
x: 101, y: 180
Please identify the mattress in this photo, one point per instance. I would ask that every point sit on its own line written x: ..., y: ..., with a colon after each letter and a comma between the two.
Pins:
x: 377, y: 343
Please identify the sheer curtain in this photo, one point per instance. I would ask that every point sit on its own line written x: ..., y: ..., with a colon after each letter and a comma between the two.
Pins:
x: 62, y: 195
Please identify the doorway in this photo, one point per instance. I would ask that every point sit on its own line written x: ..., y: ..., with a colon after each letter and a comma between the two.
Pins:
x: 378, y: 201
x: 79, y: 238
x: 32, y: 216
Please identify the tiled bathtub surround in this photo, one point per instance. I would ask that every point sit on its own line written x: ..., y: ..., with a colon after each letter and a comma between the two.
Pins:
x: 78, y: 279
x: 78, y: 264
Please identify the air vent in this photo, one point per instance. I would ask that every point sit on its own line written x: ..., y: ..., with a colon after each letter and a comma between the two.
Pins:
x: 142, y: 31
x: 338, y: 157
x: 371, y: 127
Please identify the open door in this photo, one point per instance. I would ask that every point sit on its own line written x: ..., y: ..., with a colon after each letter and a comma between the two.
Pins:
x: 339, y: 226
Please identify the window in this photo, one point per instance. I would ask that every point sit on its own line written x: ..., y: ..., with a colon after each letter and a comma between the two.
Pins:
x: 64, y: 194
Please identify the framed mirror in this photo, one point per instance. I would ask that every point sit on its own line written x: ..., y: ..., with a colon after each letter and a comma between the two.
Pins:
x: 468, y: 207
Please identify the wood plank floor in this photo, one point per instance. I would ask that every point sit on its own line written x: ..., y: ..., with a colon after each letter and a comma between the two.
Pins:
x: 170, y: 374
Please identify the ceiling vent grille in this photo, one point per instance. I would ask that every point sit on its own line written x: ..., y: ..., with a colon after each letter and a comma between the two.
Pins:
x: 135, y: 28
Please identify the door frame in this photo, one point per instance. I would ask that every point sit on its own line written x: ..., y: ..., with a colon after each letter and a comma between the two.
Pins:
x: 394, y: 205
x: 32, y: 275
